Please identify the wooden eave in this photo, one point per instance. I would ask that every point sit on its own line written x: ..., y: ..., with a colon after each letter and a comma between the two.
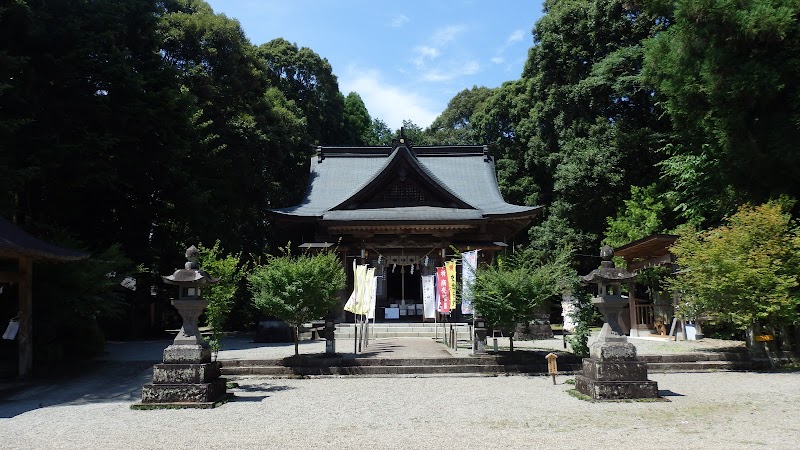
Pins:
x: 653, y: 246
x: 649, y: 251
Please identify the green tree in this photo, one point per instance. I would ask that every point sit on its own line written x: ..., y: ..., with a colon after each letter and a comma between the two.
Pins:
x: 495, y: 122
x: 357, y: 122
x: 454, y: 124
x: 73, y: 299
x: 726, y: 73
x: 220, y: 296
x: 744, y: 272
x: 641, y: 216
x: 514, y: 289
x: 586, y: 119
x: 307, y: 79
x: 249, y: 145
x: 380, y: 134
x: 297, y: 289
x: 414, y: 133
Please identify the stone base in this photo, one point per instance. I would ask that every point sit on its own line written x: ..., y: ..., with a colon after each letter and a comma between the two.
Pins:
x: 186, y: 373
x: 612, y: 372
x: 616, y: 390
x: 184, y: 392
x: 187, y: 354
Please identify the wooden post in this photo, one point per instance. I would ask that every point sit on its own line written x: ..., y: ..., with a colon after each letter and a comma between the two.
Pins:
x: 552, y: 365
x: 632, y: 310
x: 25, y: 336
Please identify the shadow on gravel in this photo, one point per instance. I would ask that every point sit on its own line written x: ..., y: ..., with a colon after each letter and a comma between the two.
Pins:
x: 262, y: 388
x: 98, y: 382
x: 668, y: 393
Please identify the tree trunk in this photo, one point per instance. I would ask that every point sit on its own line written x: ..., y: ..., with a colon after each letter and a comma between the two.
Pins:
x: 296, y: 340
x: 511, y: 342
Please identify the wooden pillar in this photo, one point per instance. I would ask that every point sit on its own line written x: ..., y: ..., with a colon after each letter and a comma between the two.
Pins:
x: 25, y: 334
x: 632, y: 306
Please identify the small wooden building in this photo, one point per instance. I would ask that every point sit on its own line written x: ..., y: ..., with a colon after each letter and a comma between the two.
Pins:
x: 651, y: 251
x: 401, y: 209
x: 18, y: 251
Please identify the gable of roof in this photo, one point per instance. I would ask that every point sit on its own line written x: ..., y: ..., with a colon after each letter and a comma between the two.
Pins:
x: 402, y: 181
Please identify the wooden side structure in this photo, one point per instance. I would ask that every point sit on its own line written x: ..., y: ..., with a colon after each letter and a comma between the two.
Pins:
x: 19, y: 249
x: 650, y: 251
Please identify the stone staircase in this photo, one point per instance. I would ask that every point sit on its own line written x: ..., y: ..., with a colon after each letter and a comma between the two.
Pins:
x: 366, y: 366
x: 346, y: 331
x: 519, y: 362
x: 699, y: 362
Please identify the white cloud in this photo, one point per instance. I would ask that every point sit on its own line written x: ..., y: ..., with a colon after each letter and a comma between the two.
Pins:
x: 445, y: 35
x: 425, y: 53
x: 516, y: 36
x: 498, y: 60
x: 453, y: 69
x: 398, y: 21
x: 390, y: 103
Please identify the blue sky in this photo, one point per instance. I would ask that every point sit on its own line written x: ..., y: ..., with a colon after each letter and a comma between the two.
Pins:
x: 406, y: 59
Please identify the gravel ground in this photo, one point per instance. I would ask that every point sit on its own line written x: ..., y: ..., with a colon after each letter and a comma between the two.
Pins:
x: 705, y: 410
x: 241, y: 346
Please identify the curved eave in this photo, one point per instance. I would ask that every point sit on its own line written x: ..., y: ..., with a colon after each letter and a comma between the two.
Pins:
x: 283, y: 216
x: 16, y: 243
x: 531, y: 214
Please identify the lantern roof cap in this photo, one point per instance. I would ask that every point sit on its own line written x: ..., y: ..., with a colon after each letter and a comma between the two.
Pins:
x: 607, y: 272
x: 191, y: 273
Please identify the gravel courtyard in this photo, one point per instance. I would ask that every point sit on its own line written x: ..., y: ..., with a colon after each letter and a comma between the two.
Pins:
x: 705, y: 410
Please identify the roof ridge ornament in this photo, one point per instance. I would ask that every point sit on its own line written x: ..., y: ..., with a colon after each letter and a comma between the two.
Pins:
x: 402, y: 140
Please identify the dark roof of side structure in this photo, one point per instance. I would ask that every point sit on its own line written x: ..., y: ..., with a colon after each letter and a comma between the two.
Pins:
x: 461, y: 177
x: 15, y: 242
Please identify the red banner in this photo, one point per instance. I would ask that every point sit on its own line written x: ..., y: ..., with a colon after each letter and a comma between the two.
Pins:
x: 443, y: 290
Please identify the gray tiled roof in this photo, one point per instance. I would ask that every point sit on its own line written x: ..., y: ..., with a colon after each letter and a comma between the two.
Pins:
x: 463, y: 171
x: 16, y: 242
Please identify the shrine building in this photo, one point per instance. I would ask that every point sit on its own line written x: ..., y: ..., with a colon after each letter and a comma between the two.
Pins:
x: 402, y: 209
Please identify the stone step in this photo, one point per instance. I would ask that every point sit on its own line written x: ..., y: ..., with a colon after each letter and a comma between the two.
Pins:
x: 405, y: 324
x: 696, y: 357
x: 521, y: 362
x: 399, y: 334
x: 699, y: 366
x: 364, y: 370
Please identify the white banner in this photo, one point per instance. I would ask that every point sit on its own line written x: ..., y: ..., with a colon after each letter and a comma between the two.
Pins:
x: 469, y: 266
x: 371, y: 295
x: 428, y: 296
x: 11, y: 330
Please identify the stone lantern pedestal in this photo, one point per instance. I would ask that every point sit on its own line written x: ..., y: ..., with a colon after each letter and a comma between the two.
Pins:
x: 187, y: 377
x: 612, y: 371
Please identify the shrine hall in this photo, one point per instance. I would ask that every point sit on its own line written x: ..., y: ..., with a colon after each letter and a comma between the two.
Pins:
x: 403, y: 209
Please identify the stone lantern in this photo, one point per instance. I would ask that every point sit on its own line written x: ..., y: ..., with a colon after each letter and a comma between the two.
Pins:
x: 609, y: 299
x: 612, y: 371
x: 187, y: 377
x: 189, y: 344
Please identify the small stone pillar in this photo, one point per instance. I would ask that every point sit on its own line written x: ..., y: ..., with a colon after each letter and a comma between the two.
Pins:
x: 612, y: 371
x: 479, y: 340
x: 330, y: 334
x: 187, y: 377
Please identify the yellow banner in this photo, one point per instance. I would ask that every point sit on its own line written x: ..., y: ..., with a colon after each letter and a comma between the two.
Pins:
x: 450, y: 267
